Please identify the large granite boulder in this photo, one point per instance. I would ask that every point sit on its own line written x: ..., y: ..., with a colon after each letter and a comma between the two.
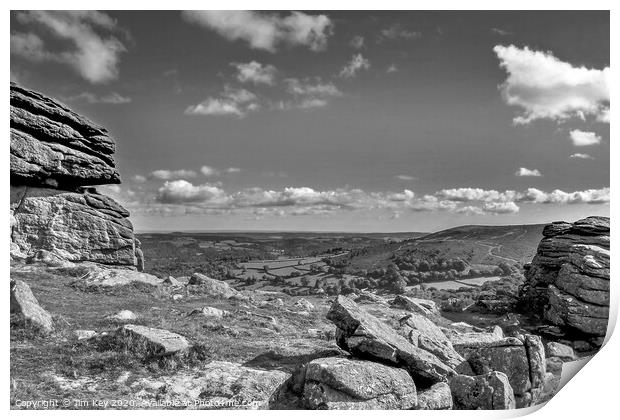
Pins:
x: 437, y: 397
x: 54, y: 145
x: 56, y: 155
x: 150, y: 341
x: 365, y: 336
x: 74, y: 226
x: 339, y: 383
x: 567, y: 282
x: 523, y: 361
x: 490, y: 391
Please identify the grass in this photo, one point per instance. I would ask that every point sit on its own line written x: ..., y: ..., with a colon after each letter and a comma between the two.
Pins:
x: 59, y: 366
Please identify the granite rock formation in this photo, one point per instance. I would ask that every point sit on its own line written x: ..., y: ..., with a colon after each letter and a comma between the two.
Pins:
x: 567, y: 282
x: 56, y: 156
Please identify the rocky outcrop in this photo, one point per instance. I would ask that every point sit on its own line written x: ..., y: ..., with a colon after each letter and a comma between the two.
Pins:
x: 365, y: 336
x: 437, y: 397
x: 522, y: 360
x: 339, y: 383
x: 214, y: 288
x: 50, y: 144
x: 567, y: 282
x: 55, y: 155
x: 26, y: 311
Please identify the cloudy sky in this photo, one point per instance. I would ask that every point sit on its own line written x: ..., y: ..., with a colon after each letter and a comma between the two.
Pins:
x: 349, y: 121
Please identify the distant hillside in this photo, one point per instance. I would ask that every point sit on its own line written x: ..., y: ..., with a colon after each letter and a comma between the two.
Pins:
x: 491, y: 244
x: 477, y: 245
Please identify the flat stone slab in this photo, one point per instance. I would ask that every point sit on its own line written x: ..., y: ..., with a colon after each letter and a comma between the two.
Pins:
x: 158, y: 342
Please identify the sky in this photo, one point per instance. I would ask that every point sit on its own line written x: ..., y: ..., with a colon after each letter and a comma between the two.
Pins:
x: 336, y: 121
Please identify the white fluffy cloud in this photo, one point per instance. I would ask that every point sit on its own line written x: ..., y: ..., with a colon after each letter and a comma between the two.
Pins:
x: 181, y: 191
x: 212, y: 197
x: 546, y: 87
x: 231, y: 101
x: 166, y: 174
x: 266, y: 31
x: 256, y: 73
x: 94, y: 51
x: 528, y: 172
x: 209, y: 171
x: 581, y: 156
x: 357, y: 63
x: 584, y: 138
x: 309, y: 94
x: 593, y: 196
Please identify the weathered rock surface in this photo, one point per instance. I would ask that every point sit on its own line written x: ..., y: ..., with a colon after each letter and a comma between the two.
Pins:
x: 73, y: 226
x: 214, y: 288
x: 421, y: 306
x: 55, y: 154
x: 364, y: 336
x: 523, y: 362
x: 568, y: 280
x: 151, y: 341
x: 220, y: 385
x: 51, y: 143
x: 339, y: 383
x: 93, y: 275
x: 562, y: 351
x: 491, y: 391
x: 437, y: 397
x: 26, y: 311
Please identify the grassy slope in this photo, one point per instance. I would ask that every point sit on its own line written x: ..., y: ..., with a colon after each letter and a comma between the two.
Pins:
x: 238, y: 338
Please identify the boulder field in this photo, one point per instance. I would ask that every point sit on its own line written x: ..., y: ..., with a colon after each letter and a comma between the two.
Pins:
x: 56, y: 157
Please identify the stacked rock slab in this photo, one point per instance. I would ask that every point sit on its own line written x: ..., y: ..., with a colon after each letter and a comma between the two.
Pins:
x: 56, y: 155
x: 568, y: 280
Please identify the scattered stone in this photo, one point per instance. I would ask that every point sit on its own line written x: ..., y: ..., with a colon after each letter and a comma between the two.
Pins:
x: 304, y: 304
x: 363, y: 335
x: 213, y: 288
x: 153, y: 341
x: 26, y: 311
x: 84, y: 334
x: 113, y: 277
x: 124, y: 315
x: 490, y: 391
x: 339, y: 383
x: 177, y: 296
x: 209, y: 312
x: 421, y: 306
x: 437, y: 397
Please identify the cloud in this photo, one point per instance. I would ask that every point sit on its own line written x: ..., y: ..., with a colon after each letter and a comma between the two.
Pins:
x: 396, y: 32
x: 547, y: 88
x: 500, y: 32
x: 592, y: 196
x: 476, y: 194
x: 266, y: 31
x: 233, y: 170
x: 357, y: 63
x: 181, y: 191
x: 139, y: 178
x: 528, y: 172
x: 112, y: 98
x: 94, y: 53
x: 405, y: 177
x: 309, y: 94
x: 391, y: 69
x: 230, y: 102
x: 357, y: 42
x: 165, y: 174
x: 256, y: 73
x: 580, y: 156
x: 209, y: 171
x: 584, y: 138
x: 501, y: 207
